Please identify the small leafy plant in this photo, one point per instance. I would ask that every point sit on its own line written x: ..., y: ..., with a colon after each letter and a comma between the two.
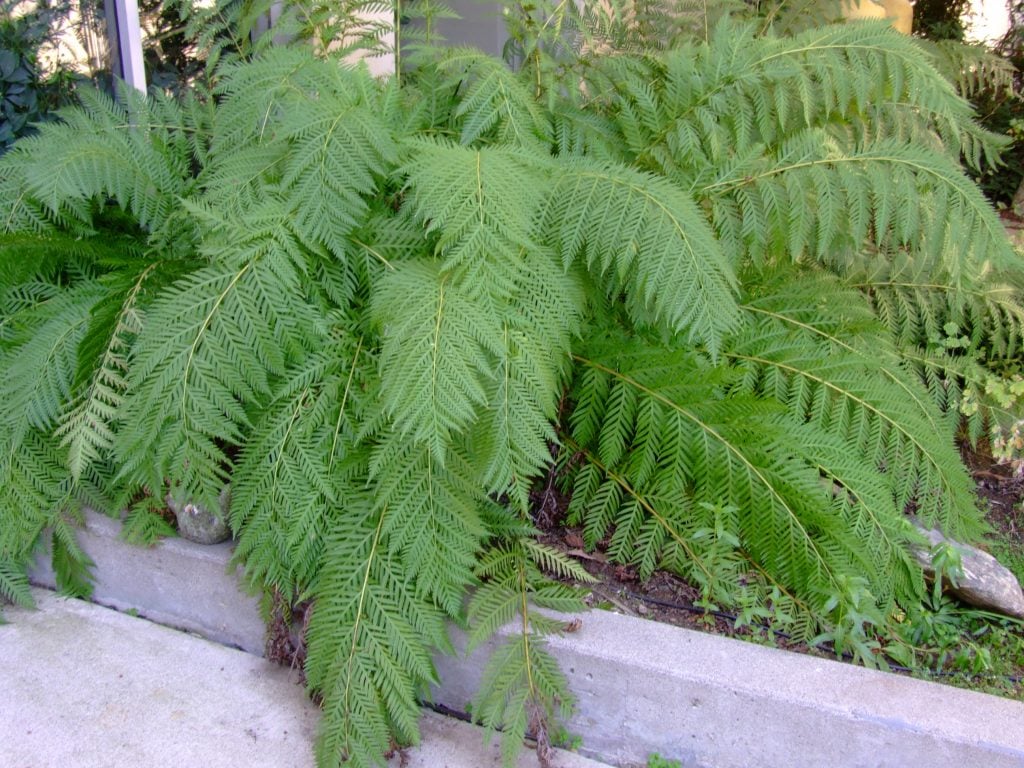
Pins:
x: 704, y: 281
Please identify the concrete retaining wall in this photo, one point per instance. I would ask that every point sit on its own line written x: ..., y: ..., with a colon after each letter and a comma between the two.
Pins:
x: 176, y: 583
x: 642, y: 687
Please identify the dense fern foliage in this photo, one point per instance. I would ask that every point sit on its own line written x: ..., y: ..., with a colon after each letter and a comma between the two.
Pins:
x: 714, y: 283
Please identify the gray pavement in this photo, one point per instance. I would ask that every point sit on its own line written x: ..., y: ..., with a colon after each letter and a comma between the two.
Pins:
x: 82, y: 686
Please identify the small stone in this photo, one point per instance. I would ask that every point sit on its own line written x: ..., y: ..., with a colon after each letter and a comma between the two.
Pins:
x: 197, y: 524
x: 985, y: 583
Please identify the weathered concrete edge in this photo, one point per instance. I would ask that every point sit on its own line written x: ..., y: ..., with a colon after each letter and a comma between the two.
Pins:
x: 642, y: 687
x: 645, y: 687
x: 176, y: 583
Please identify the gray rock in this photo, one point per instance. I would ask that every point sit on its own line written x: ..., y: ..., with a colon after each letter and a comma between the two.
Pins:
x: 984, y: 582
x: 198, y: 524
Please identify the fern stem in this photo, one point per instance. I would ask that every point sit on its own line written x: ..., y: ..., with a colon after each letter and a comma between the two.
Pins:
x: 341, y: 408
x: 376, y: 254
x: 435, y: 356
x: 524, y: 610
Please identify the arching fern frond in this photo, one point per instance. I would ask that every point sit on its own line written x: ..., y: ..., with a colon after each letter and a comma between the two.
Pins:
x: 644, y: 236
x: 482, y: 204
x: 432, y: 523
x: 862, y: 395
x: 314, y: 142
x: 522, y: 688
x: 14, y: 587
x: 370, y: 640
x: 436, y: 354
x: 662, y: 434
x: 86, y: 426
x: 207, y: 352
x: 40, y: 354
x: 916, y: 308
x: 301, y: 459
x: 118, y: 149
x: 819, y: 196
x: 496, y: 105
x: 513, y: 436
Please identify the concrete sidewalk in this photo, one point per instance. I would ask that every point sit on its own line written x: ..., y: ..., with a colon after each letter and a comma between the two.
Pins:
x: 82, y: 686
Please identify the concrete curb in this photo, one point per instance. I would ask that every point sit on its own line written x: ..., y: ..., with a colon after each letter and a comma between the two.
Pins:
x: 175, y: 583
x: 643, y: 687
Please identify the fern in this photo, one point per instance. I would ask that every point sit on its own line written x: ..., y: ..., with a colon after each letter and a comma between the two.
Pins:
x: 515, y: 431
x: 709, y: 450
x: 14, y: 587
x: 876, y: 408
x: 87, y: 429
x: 649, y: 239
x: 300, y: 458
x: 434, y: 358
x: 522, y: 688
x: 369, y: 643
x: 433, y: 521
x: 495, y: 103
x: 144, y: 525
x: 723, y: 266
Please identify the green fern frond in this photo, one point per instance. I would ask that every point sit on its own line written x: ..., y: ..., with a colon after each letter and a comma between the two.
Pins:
x: 496, y: 106
x: 971, y: 67
x: 868, y: 401
x: 87, y: 424
x: 26, y: 257
x: 14, y: 586
x: 300, y: 459
x: 917, y: 308
x: 314, y: 141
x: 554, y: 561
x: 482, y: 204
x: 515, y: 432
x: 369, y: 642
x: 105, y: 149
x: 522, y: 687
x: 707, y: 449
x: 41, y: 358
x: 19, y: 211
x: 704, y: 104
x: 144, y: 526
x: 255, y: 94
x: 721, y: 115
x: 436, y: 353
x: 207, y: 351
x: 33, y: 484
x: 432, y: 523
x: 831, y: 201
x: 338, y: 152
x: 646, y: 237
x: 70, y: 563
